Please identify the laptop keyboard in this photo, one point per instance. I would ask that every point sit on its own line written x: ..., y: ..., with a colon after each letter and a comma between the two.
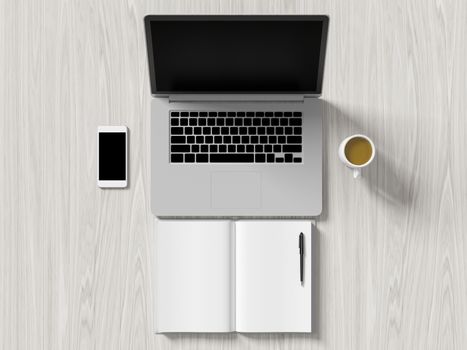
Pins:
x: 235, y: 137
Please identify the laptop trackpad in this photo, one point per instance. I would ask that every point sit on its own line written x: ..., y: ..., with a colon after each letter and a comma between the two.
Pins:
x: 235, y: 190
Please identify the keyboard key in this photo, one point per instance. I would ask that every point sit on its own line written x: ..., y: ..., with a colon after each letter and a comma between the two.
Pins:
x: 275, y: 121
x: 213, y: 148
x: 231, y: 148
x: 202, y: 158
x: 202, y: 121
x: 231, y: 114
x: 218, y: 139
x: 229, y: 122
x: 270, y: 158
x: 194, y: 148
x: 277, y: 148
x: 260, y: 158
x: 179, y: 148
x: 250, y: 114
x: 190, y: 139
x: 272, y: 139
x: 252, y: 130
x: 203, y: 114
x: 222, y: 148
x: 261, y: 130
x: 297, y: 114
x: 258, y: 148
x: 297, y: 130
x: 238, y: 122
x: 243, y: 130
x: 240, y: 114
x: 278, y: 114
x: 224, y: 130
x: 177, y: 139
x: 263, y: 139
x: 216, y: 130
x: 193, y: 121
x: 176, y: 131
x: 245, y: 139
x: 268, y: 148
x: 204, y: 148
x: 174, y: 122
x: 294, y: 139
x: 287, y: 114
x: 233, y: 130
x: 211, y: 121
x: 220, y: 121
x: 260, y: 114
x: 231, y: 158
x: 227, y: 139
x: 292, y: 148
x: 250, y: 148
x: 189, y: 158
x: 208, y: 139
x: 284, y: 122
x: 222, y: 114
x: 270, y: 130
x: 295, y: 121
x: 184, y: 114
x: 281, y: 139
x: 235, y: 139
x: 279, y: 130
x: 213, y: 114
x: 268, y: 114
x: 257, y: 122
x: 240, y: 148
x: 184, y: 121
x: 176, y: 158
x: 188, y: 130
x: 174, y: 114
x: 206, y: 130
x: 279, y: 160
x: 254, y: 139
x: 265, y: 121
x: 297, y: 160
x: 288, y: 158
x: 247, y: 121
x: 193, y: 114
x: 199, y: 139
x: 288, y: 130
x: 197, y: 130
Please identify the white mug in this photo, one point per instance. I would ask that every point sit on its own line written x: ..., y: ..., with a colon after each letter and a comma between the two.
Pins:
x: 357, y: 169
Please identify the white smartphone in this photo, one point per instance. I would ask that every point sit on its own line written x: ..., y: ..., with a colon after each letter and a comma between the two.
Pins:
x: 112, y: 156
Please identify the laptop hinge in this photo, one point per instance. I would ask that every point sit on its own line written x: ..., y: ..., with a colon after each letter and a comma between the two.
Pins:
x: 236, y: 98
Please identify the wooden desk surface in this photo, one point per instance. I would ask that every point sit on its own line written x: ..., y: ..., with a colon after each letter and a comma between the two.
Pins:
x: 75, y: 260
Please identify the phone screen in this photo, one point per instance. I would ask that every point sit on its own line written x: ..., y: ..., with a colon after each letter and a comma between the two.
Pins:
x: 112, y: 156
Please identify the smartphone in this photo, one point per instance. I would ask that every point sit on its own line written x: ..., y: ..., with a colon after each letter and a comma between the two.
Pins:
x: 112, y: 156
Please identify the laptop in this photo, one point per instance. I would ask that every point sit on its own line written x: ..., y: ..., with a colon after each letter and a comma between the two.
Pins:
x: 236, y: 122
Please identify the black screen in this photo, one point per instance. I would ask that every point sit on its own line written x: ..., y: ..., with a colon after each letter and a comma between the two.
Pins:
x: 223, y: 56
x: 112, y: 156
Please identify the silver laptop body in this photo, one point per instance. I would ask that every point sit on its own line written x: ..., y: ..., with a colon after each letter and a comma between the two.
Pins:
x: 216, y: 153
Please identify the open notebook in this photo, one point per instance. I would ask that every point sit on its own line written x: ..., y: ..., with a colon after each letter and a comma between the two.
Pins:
x: 232, y: 276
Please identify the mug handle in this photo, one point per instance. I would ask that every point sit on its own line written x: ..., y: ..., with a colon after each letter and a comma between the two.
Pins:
x: 357, y: 173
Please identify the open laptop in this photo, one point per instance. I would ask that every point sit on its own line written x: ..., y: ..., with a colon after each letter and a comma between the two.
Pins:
x: 236, y: 125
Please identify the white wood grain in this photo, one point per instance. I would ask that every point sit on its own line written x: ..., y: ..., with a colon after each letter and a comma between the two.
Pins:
x: 75, y: 261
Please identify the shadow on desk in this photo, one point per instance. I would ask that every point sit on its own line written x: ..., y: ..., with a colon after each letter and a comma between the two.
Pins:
x: 386, y: 177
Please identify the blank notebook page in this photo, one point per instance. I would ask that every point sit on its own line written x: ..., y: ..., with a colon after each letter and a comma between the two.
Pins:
x: 193, y: 284
x: 269, y: 296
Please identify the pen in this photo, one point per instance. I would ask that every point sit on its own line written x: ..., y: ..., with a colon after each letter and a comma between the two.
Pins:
x: 301, y: 249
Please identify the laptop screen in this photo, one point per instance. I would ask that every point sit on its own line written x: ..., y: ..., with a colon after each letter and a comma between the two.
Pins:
x: 236, y: 54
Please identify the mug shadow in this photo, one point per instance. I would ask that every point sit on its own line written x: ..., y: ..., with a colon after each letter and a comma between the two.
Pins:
x: 383, y: 177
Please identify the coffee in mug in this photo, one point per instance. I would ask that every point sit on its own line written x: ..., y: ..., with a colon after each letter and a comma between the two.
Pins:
x: 356, y: 152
